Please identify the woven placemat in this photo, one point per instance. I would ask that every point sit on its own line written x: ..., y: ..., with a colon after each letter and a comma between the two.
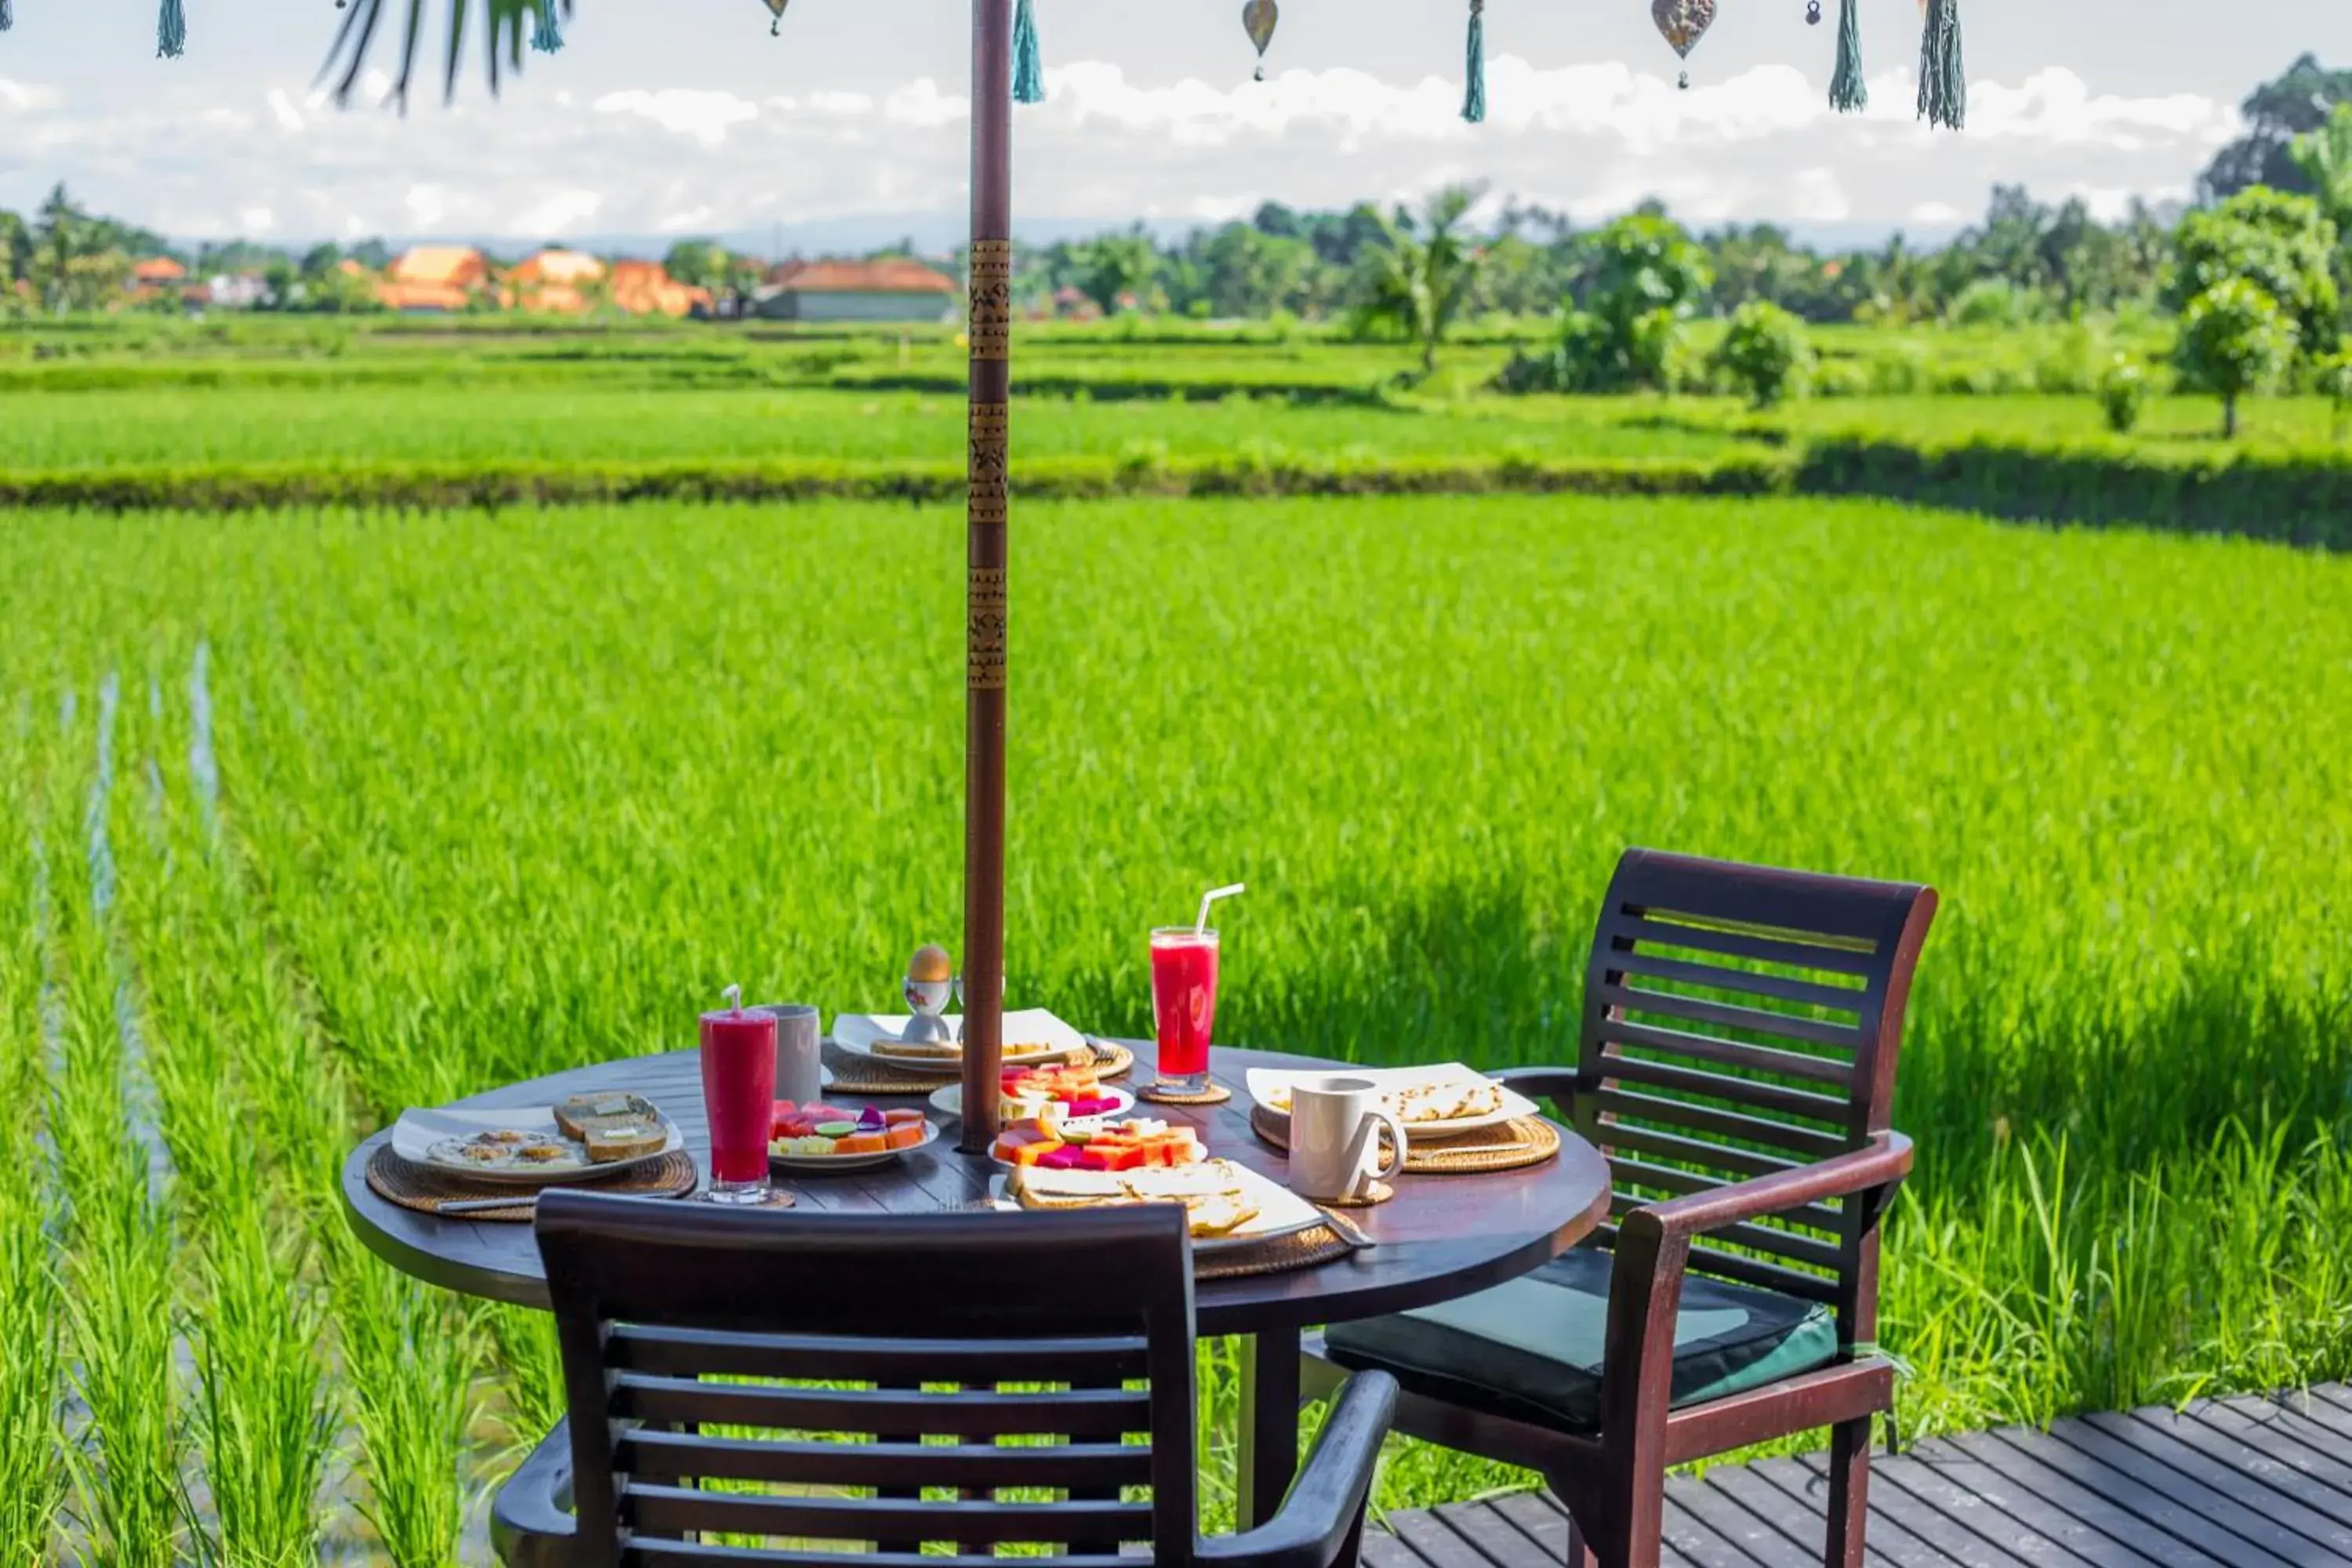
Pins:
x: 856, y: 1074
x: 1215, y: 1094
x: 1513, y: 1145
x: 424, y: 1189
x: 1303, y: 1249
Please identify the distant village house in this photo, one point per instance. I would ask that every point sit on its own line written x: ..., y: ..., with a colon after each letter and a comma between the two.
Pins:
x: 435, y: 279
x: 894, y: 291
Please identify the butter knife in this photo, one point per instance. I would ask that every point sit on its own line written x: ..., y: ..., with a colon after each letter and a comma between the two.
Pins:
x: 1346, y: 1229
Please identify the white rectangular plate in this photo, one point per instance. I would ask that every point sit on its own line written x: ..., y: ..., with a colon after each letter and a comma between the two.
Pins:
x: 413, y: 1135
x: 1270, y: 1087
x: 1280, y: 1211
x: 861, y: 1034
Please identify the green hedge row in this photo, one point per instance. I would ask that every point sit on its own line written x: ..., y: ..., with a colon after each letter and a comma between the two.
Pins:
x: 2297, y: 500
x: 428, y: 486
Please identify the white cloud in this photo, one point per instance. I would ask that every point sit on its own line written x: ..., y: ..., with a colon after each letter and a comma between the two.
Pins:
x: 255, y: 221
x: 702, y: 115
x: 1109, y: 145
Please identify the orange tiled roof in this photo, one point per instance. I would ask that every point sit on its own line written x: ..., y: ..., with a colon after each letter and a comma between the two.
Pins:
x: 158, y: 269
x: 896, y: 275
x: 441, y: 265
x: 558, y: 267
x: 646, y: 289
x: 421, y: 296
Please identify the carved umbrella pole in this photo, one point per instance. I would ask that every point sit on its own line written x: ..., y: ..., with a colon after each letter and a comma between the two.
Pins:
x: 991, y: 330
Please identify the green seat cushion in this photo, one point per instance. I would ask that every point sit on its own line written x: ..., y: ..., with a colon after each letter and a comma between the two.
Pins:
x: 1532, y: 1349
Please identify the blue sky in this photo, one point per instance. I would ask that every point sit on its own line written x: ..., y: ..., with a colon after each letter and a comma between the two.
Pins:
x: 683, y: 116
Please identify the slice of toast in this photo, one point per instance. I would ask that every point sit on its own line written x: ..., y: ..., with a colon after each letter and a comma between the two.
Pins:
x: 1036, y: 1188
x: 582, y: 1113
x: 631, y: 1141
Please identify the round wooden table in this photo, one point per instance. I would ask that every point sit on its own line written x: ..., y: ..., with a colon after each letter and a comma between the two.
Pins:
x: 1441, y: 1237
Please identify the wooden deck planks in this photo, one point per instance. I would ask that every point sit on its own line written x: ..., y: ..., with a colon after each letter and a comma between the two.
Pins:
x: 2228, y: 1483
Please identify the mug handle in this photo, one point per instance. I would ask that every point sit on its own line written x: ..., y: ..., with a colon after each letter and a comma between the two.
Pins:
x: 1370, y: 1130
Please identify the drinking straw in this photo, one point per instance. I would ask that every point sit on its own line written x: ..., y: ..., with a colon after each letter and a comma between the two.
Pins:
x: 734, y: 994
x: 1201, y: 926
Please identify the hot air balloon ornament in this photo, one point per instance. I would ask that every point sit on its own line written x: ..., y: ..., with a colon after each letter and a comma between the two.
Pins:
x: 1259, y: 18
x: 776, y: 9
x: 1683, y: 22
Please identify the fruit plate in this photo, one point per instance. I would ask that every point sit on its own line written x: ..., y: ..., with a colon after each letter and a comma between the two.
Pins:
x: 1082, y: 1124
x: 948, y: 1101
x: 827, y: 1164
x: 1041, y: 1037
x: 1280, y: 1211
x: 419, y: 1137
x: 1271, y: 1088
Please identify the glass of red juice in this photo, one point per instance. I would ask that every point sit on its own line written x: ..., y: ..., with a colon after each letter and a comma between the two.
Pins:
x: 1183, y: 1004
x: 738, y: 1094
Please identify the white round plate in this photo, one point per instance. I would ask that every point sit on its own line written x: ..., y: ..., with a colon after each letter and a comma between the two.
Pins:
x: 813, y: 1164
x: 948, y: 1101
x: 945, y: 1067
x: 1287, y: 1216
x: 560, y: 1176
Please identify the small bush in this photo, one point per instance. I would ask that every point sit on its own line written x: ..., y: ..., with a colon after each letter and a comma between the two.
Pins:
x: 1765, y: 353
x: 2123, y: 393
x: 2234, y: 341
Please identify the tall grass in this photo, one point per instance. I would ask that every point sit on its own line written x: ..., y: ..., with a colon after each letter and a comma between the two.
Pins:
x: 503, y: 795
x: 32, y: 1472
x: 117, y: 1274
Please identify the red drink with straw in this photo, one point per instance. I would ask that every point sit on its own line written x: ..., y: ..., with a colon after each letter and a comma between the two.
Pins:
x: 1184, y: 1004
x: 739, y: 1095
x: 1184, y: 997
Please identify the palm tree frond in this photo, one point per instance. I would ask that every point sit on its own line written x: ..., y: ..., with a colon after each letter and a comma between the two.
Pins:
x: 505, y: 27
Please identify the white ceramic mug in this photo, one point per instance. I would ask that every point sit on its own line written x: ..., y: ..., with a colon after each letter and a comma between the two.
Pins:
x: 1335, y: 1138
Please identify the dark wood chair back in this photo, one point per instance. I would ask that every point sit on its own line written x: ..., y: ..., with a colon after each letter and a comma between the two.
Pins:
x: 829, y: 1389
x: 1739, y: 1022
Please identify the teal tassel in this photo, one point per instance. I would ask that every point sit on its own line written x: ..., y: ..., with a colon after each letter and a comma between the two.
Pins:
x: 1942, y: 78
x: 1474, y: 96
x: 1028, y: 60
x: 1849, y: 91
x: 171, y: 31
x: 7, y: 16
x: 548, y: 36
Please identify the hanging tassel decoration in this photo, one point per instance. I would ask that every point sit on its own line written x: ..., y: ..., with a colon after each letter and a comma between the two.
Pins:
x: 1028, y: 58
x: 776, y: 9
x: 548, y: 36
x: 7, y: 16
x: 1474, y: 96
x: 1849, y: 93
x: 171, y: 31
x: 1942, y: 78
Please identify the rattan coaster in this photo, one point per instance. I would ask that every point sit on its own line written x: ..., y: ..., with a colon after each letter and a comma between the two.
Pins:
x: 1303, y: 1249
x: 1375, y: 1194
x: 777, y: 1198
x: 424, y: 1189
x: 856, y: 1074
x: 1513, y: 1145
x: 1215, y: 1094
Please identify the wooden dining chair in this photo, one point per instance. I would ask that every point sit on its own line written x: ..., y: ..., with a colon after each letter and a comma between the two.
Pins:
x: 756, y: 1388
x: 1737, y: 1067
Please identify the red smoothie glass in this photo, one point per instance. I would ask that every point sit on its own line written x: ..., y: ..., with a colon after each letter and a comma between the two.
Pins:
x: 1184, y: 1004
x: 739, y: 1095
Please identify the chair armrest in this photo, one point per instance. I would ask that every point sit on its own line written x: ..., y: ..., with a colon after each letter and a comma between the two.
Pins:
x: 1325, y: 1512
x: 1881, y: 1164
x: 532, y: 1524
x: 1558, y: 1085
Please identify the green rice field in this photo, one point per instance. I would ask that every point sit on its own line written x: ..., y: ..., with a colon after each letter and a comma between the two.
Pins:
x: 309, y: 817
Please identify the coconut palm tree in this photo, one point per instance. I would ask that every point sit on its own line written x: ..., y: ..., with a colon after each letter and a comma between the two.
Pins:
x: 1418, y: 278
